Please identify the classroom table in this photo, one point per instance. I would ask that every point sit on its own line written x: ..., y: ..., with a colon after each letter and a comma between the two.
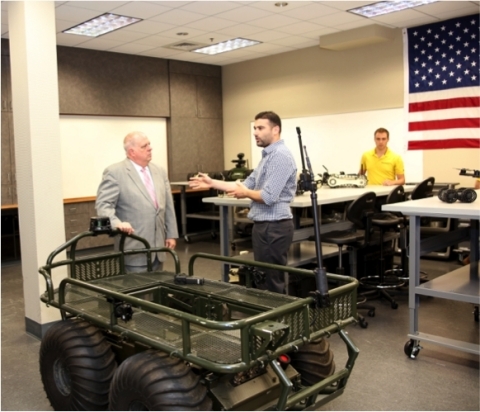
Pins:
x: 325, y: 195
x: 184, y: 188
x: 460, y: 285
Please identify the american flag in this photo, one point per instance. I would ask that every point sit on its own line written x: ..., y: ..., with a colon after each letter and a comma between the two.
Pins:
x: 443, y: 84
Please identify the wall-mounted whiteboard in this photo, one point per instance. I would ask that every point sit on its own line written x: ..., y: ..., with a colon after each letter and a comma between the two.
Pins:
x: 91, y: 143
x: 338, y: 141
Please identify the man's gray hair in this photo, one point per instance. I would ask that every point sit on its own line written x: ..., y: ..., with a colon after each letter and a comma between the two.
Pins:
x: 131, y: 139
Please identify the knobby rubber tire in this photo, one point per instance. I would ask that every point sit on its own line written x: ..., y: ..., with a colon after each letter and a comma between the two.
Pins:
x: 77, y: 365
x: 314, y: 361
x: 154, y: 381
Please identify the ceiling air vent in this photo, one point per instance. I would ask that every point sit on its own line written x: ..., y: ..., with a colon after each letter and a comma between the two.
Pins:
x: 185, y: 45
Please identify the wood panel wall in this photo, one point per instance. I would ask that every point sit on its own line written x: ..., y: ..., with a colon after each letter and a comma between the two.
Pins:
x: 189, y: 95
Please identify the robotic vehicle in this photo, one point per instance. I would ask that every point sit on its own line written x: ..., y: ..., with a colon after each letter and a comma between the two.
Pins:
x: 173, y: 341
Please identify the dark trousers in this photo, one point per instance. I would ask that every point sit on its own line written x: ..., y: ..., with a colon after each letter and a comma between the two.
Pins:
x: 271, y: 241
x: 157, y: 266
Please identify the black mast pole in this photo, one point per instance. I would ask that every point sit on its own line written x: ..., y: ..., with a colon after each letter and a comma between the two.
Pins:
x: 308, y: 183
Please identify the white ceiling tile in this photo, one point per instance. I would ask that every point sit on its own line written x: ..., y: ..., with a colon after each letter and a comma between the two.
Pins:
x: 101, y: 6
x: 311, y: 11
x: 172, y: 4
x: 154, y: 41
x: 75, y: 14
x: 123, y: 35
x: 61, y: 25
x: 354, y: 24
x: 149, y: 27
x: 333, y: 20
x: 161, y: 52
x: 100, y: 44
x: 346, y: 5
x: 188, y: 56
x: 298, y: 25
x: 398, y: 16
x: 180, y: 17
x: 210, y: 8
x: 420, y: 21
x: 293, y: 41
x: 451, y: 14
x: 141, y: 9
x: 211, y: 38
x: 243, y: 14
x: 240, y: 30
x: 273, y: 21
x: 270, y: 5
x: 172, y: 33
x: 131, y: 48
x: 269, y: 48
x: 213, y: 23
x: 301, y: 27
x: 216, y: 60
x: 238, y: 53
x: 434, y: 9
x: 315, y: 34
x: 268, y: 35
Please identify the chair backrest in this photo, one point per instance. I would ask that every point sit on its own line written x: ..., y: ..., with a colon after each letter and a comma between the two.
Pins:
x: 423, y: 189
x: 359, y: 210
x: 396, y: 195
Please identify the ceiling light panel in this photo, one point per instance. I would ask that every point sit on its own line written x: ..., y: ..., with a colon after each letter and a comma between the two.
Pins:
x: 385, y: 7
x: 226, y: 46
x: 101, y: 25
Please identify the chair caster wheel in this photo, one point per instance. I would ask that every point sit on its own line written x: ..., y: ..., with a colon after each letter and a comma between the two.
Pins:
x: 394, y: 305
x: 186, y: 238
x: 411, y: 349
x: 371, y: 313
x: 363, y: 323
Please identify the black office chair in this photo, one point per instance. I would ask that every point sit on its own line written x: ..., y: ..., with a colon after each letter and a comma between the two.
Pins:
x: 359, y: 213
x: 388, y: 225
x: 422, y: 190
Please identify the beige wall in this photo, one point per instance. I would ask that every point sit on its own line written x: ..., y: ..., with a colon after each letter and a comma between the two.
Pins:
x: 315, y: 82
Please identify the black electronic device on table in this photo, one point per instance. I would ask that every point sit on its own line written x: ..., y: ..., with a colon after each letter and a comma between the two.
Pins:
x: 462, y: 194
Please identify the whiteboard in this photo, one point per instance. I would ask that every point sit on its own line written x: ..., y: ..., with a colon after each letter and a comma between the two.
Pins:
x: 91, y: 143
x: 338, y: 141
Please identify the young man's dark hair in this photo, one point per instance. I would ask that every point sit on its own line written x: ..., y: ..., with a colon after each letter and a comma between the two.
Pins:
x: 272, y: 117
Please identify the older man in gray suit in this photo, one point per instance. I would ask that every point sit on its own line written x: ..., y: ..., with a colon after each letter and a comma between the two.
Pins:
x: 135, y: 194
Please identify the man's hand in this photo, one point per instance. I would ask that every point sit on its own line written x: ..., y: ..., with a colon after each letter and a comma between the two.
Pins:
x: 240, y: 191
x: 125, y: 227
x: 170, y: 243
x: 389, y: 183
x: 200, y: 181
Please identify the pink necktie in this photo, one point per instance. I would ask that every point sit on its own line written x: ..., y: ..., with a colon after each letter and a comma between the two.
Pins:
x: 149, y: 185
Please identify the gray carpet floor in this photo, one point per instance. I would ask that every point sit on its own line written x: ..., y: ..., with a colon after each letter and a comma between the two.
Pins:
x: 383, y: 378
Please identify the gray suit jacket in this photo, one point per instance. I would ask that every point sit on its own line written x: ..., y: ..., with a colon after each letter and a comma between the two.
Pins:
x: 123, y: 197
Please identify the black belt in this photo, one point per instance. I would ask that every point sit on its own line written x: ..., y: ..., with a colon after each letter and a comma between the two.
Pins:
x: 271, y: 221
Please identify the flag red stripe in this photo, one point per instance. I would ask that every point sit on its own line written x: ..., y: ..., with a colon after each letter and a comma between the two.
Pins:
x: 444, y: 124
x: 442, y: 104
x: 461, y: 143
